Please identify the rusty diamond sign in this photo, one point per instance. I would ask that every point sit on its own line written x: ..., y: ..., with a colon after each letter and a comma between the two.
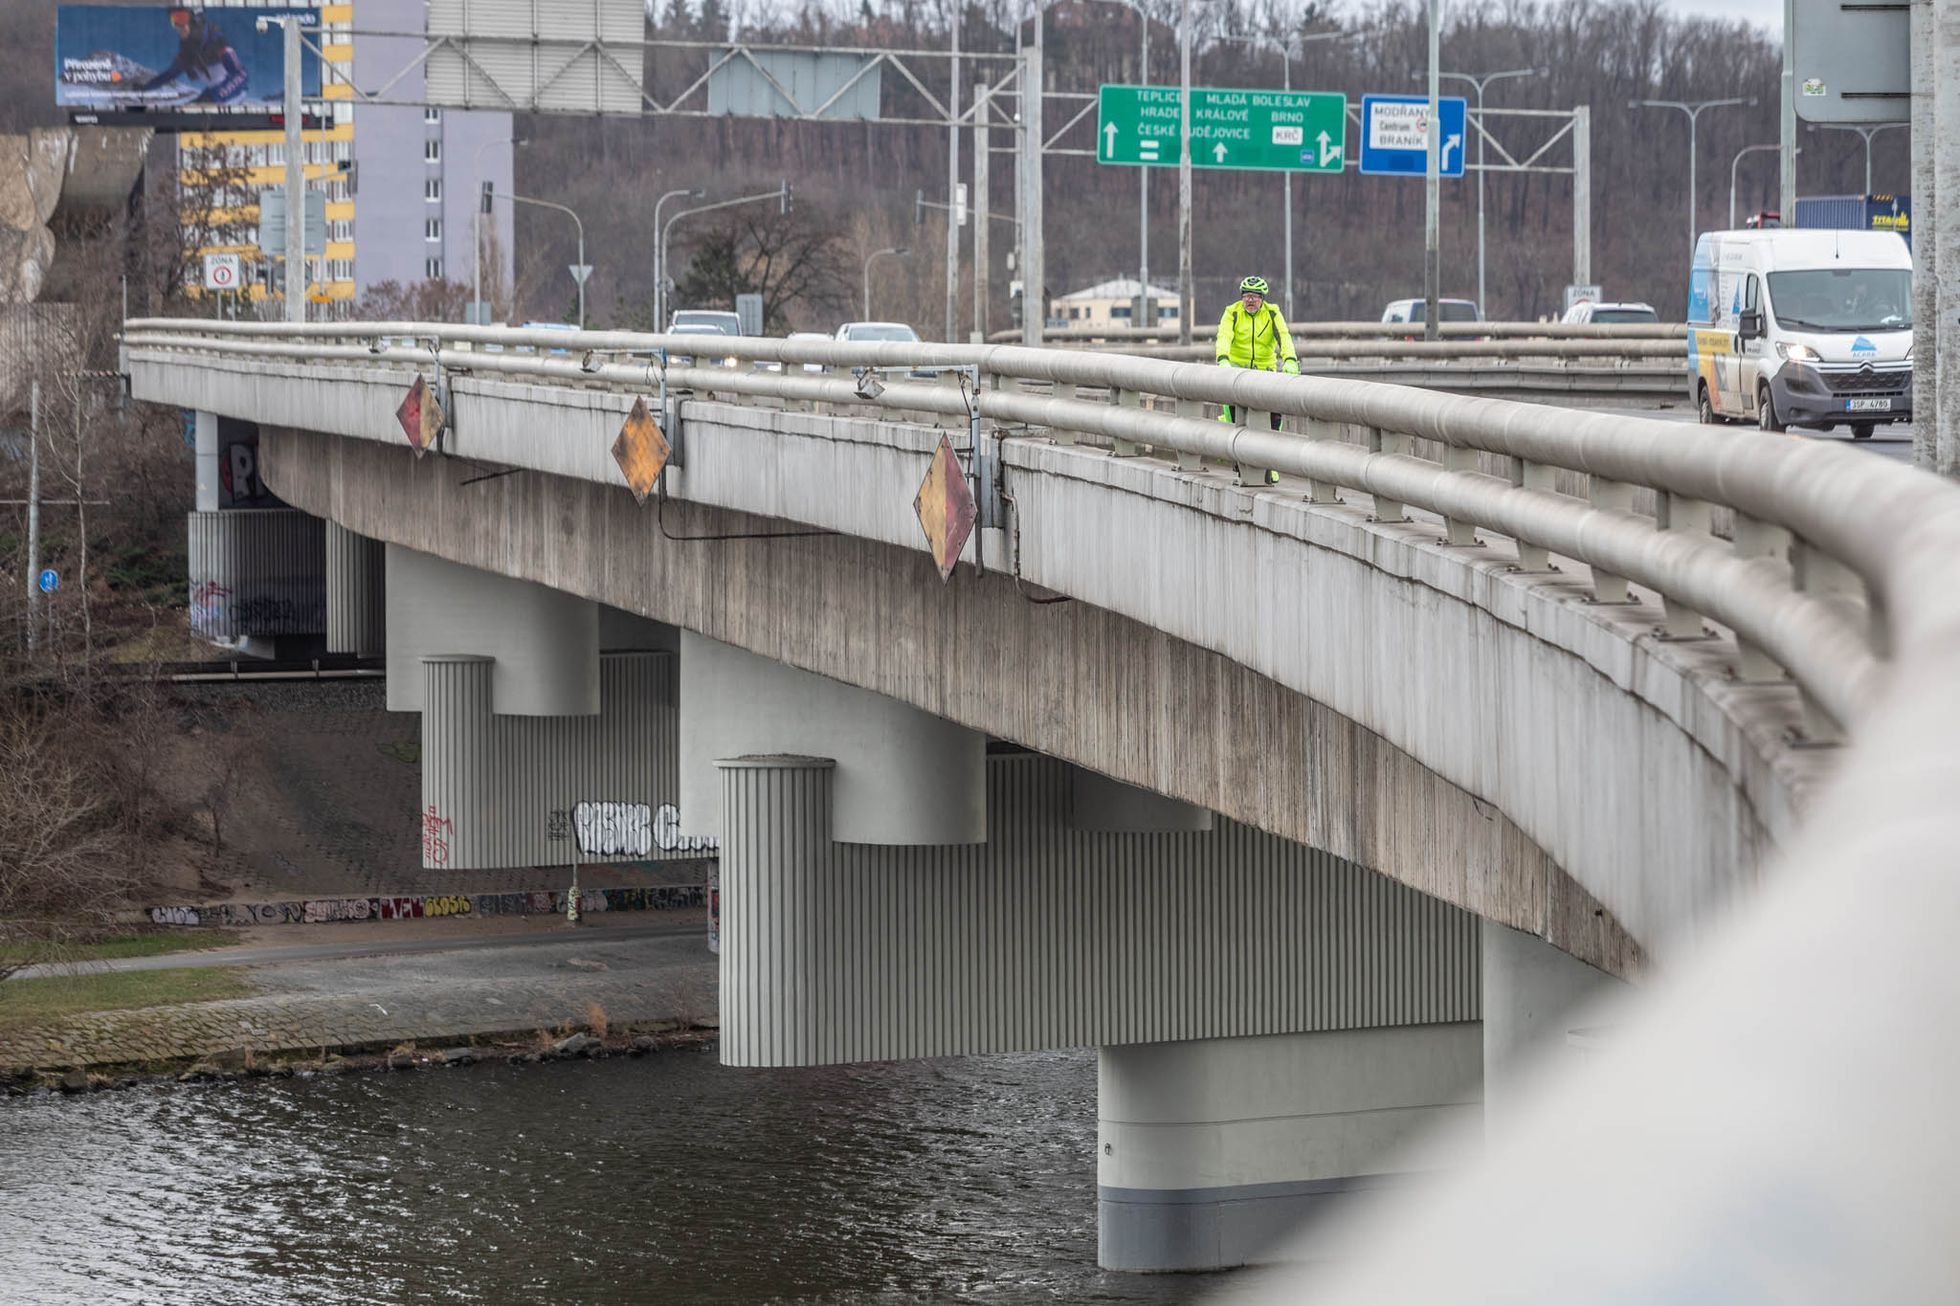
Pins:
x: 421, y: 416
x: 945, y: 508
x: 641, y: 450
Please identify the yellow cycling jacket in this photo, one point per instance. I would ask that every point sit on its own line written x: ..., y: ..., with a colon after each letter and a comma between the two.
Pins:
x: 1258, y: 340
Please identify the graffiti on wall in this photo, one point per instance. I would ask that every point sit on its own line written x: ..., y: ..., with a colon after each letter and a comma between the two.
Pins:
x: 437, y: 831
x: 625, y: 830
x: 535, y: 902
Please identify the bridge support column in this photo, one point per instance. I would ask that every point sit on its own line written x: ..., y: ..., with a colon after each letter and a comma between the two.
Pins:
x: 544, y: 643
x: 902, y: 776
x: 1210, y: 1152
x: 1533, y: 994
x: 357, y: 611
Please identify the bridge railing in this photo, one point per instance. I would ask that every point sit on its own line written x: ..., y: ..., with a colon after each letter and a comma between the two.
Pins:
x: 1836, y: 566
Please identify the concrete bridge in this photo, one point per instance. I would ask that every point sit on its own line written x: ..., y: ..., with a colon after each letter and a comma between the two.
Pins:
x: 1319, y: 807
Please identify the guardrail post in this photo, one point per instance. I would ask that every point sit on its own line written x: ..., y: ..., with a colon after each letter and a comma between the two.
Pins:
x: 1059, y: 434
x: 1690, y: 517
x: 1195, y: 410
x: 1247, y: 475
x: 1318, y: 431
x: 1391, y: 442
x: 1759, y: 539
x: 1459, y: 534
x: 1120, y: 448
x: 1534, y: 476
x: 1822, y: 576
x: 1609, y: 496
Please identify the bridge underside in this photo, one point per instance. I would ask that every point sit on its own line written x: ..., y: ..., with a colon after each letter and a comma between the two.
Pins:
x: 1067, y: 679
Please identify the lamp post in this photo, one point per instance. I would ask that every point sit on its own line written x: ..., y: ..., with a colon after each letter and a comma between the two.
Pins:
x: 553, y: 204
x: 476, y: 223
x: 1477, y: 84
x: 663, y: 238
x: 660, y: 253
x: 1694, y: 109
x: 899, y: 250
x: 1867, y: 131
x: 1736, y: 163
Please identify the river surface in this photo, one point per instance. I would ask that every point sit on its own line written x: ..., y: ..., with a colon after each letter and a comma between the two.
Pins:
x: 668, y: 1178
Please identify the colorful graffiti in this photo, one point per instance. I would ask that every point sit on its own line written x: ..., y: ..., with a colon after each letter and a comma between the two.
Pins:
x: 536, y: 902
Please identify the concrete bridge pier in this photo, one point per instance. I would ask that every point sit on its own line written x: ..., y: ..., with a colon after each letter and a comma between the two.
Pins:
x: 1534, y: 995
x: 357, y: 611
x: 902, y: 776
x: 1210, y: 1152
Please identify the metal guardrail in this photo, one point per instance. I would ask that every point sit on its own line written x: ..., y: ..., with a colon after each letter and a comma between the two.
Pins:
x: 1377, y: 331
x: 1838, y: 563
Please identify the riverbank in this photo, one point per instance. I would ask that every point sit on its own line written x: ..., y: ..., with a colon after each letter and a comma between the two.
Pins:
x: 509, y: 995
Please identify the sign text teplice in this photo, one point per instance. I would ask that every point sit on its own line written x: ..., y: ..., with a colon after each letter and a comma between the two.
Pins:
x: 1299, y: 131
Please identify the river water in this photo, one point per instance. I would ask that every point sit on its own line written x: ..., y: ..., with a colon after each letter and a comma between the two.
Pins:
x: 668, y: 1178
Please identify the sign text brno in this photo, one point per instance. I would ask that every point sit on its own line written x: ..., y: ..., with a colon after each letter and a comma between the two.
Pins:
x: 1298, y: 131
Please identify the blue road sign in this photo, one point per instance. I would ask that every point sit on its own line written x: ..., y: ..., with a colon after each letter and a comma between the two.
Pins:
x: 1395, y: 135
x: 49, y: 579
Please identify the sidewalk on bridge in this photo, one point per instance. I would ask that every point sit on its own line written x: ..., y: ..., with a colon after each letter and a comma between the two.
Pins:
x: 520, y: 989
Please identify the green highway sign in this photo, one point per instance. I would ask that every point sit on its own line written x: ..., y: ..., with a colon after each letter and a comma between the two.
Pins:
x: 1300, y: 131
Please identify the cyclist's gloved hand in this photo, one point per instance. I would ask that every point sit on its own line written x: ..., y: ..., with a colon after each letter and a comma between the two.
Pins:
x: 1291, y: 367
x: 1224, y: 362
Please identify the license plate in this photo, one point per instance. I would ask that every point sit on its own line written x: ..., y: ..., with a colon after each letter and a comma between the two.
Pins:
x: 1868, y: 405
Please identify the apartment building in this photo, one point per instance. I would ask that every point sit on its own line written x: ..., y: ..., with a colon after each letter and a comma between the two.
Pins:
x: 402, y: 180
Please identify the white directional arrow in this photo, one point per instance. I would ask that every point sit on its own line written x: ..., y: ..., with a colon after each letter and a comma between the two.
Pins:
x: 1328, y: 152
x: 1218, y: 151
x: 1449, y: 143
x: 1109, y: 139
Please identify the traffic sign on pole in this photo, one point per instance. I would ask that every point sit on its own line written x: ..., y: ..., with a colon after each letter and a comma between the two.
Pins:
x: 221, y: 271
x: 580, y: 271
x: 1395, y: 135
x: 1289, y: 131
x: 48, y: 580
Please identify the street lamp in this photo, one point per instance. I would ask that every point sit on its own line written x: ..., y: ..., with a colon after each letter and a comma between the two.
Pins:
x: 553, y: 204
x: 663, y: 238
x: 1478, y: 84
x: 1694, y: 109
x: 476, y: 223
x: 1736, y: 163
x: 660, y: 253
x: 899, y: 250
x: 1865, y: 130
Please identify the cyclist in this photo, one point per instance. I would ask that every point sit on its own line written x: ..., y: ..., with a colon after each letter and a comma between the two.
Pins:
x: 1252, y: 333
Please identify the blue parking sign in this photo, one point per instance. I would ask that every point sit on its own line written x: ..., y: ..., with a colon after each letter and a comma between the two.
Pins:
x: 1395, y: 135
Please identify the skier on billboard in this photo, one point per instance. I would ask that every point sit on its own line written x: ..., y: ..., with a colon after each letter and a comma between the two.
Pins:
x: 204, y: 58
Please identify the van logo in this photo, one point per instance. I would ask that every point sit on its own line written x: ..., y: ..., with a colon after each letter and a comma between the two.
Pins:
x: 1863, y: 346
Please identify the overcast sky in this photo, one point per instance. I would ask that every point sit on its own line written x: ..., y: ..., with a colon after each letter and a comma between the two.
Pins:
x: 1768, y: 13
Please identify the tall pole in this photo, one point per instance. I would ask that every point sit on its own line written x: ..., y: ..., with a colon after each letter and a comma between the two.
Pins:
x: 876, y: 254
x: 1787, y: 114
x: 660, y: 254
x: 1735, y: 166
x: 1926, y: 333
x: 1694, y: 110
x: 34, y: 514
x: 1144, y: 317
x: 1582, y: 273
x: 476, y: 227
x: 983, y: 164
x: 580, y: 226
x: 1693, y: 119
x: 1946, y: 226
x: 1432, y: 193
x: 1478, y: 84
x: 1184, y: 286
x: 953, y: 193
x: 1286, y: 191
x: 1034, y: 272
x: 295, y: 180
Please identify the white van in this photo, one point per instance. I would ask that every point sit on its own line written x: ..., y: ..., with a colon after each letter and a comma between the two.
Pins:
x: 1801, y: 328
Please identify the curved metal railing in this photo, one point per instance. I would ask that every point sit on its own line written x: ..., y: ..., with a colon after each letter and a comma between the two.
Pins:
x: 1834, y: 567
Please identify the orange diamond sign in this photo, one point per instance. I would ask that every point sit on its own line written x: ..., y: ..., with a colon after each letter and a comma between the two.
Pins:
x: 945, y: 508
x: 641, y: 450
x: 421, y: 417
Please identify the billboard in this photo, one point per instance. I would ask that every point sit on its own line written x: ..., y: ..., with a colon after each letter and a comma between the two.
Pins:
x: 168, y: 58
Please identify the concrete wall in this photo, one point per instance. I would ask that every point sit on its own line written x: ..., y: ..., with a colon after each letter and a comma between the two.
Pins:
x: 1535, y: 995
x: 1354, y: 685
x: 1045, y: 936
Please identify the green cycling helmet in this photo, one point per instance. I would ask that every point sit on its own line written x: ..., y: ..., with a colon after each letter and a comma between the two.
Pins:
x: 1253, y: 286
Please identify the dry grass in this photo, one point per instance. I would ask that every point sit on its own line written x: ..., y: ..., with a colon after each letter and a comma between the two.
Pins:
x: 595, y: 1018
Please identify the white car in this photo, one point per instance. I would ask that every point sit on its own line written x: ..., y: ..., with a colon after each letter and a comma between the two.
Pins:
x: 876, y: 331
x: 1609, y: 313
x: 717, y: 359
x: 809, y: 335
x: 713, y: 318
x: 1447, y: 310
